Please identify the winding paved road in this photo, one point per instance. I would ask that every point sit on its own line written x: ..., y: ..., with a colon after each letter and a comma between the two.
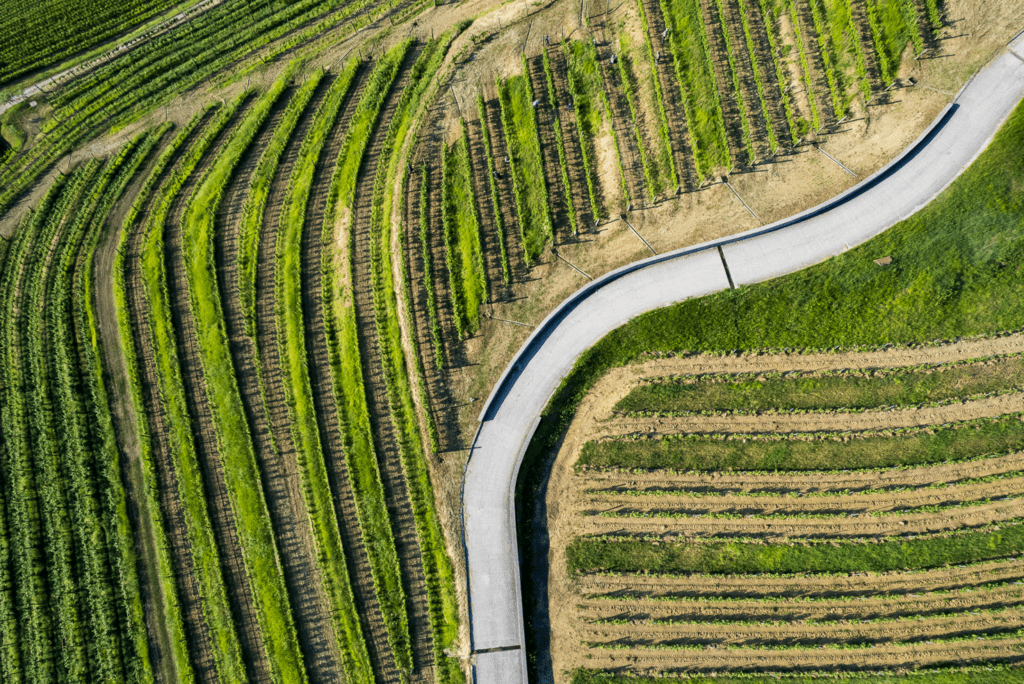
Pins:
x: 510, y: 415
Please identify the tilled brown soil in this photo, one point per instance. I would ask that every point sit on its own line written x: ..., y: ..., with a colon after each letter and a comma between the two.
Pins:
x: 704, y: 624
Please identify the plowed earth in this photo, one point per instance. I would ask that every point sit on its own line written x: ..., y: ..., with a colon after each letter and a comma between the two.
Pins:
x: 692, y: 623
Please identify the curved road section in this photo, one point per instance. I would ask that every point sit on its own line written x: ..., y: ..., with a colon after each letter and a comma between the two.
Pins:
x: 510, y: 415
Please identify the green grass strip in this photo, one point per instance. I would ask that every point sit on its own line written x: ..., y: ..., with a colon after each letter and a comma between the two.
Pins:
x: 755, y: 67
x: 691, y: 56
x: 437, y: 567
x: 342, y: 331
x: 584, y: 77
x: 256, y: 201
x: 849, y: 390
x: 893, y: 25
x: 225, y: 646
x: 464, y: 252
x: 499, y: 221
x: 825, y: 451
x: 234, y: 439
x: 529, y: 184
x: 563, y: 164
x: 829, y: 58
x: 171, y: 626
x: 717, y: 558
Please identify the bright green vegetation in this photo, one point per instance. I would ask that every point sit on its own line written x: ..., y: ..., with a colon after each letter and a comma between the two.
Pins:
x: 563, y: 163
x: 155, y: 72
x: 584, y: 77
x: 586, y: 554
x: 629, y: 88
x: 437, y: 568
x: 529, y: 184
x: 342, y: 331
x: 755, y: 68
x: 234, y: 440
x: 844, y: 43
x: 864, y: 389
x: 830, y: 59
x: 656, y: 101
x: 428, y: 265
x: 499, y: 221
x: 893, y: 25
x: 205, y: 556
x: 170, y: 618
x: 464, y: 254
x: 737, y: 86
x: 691, y: 56
x: 49, y: 31
x: 990, y: 674
x: 883, y: 449
x: 256, y: 200
x: 770, y: 12
x: 805, y: 66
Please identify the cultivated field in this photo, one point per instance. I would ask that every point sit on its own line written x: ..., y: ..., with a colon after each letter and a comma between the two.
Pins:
x: 258, y: 267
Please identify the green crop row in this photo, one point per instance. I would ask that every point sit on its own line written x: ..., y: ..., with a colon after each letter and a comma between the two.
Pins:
x: 805, y: 66
x: 28, y: 648
x: 467, y: 279
x: 107, y: 459
x: 171, y: 622
x: 607, y: 112
x: 529, y: 183
x: 206, y: 557
x: 667, y: 158
x: 842, y: 21
x: 563, y: 164
x: 627, y: 77
x: 813, y: 392
x: 773, y: 144
x: 737, y: 86
x: 234, y: 439
x: 770, y: 11
x: 989, y: 673
x: 833, y: 74
x: 499, y: 221
x: 790, y: 452
x: 397, y: 142
x: 934, y: 14
x: 428, y: 269
x: 691, y: 56
x: 256, y: 200
x: 586, y: 554
x: 65, y: 591
x: 584, y: 79
x: 893, y: 24
x: 342, y: 332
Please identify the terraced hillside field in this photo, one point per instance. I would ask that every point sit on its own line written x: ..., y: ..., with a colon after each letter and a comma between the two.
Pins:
x: 258, y: 265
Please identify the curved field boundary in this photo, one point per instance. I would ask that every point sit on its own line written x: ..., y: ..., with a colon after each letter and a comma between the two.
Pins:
x: 509, y: 416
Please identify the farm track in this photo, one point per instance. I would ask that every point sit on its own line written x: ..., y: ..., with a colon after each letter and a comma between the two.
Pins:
x: 682, y: 146
x: 814, y: 481
x: 545, y: 117
x: 622, y: 124
x: 218, y: 499
x: 573, y: 155
x: 723, y: 79
x: 967, y: 409
x: 797, y: 633
x: 320, y: 377
x: 284, y: 501
x: 904, y: 584
x: 883, y: 657
x: 200, y: 648
x: 867, y: 608
x: 385, y: 437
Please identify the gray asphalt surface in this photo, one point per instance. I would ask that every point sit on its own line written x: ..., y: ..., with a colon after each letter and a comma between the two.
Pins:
x: 510, y: 415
